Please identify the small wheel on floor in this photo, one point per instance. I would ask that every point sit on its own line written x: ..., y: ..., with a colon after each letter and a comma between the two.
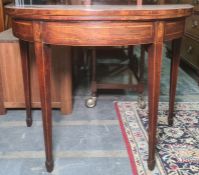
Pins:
x: 141, y: 103
x: 91, y: 102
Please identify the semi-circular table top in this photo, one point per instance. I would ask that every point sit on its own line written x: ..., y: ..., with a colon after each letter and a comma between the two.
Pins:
x: 103, y: 12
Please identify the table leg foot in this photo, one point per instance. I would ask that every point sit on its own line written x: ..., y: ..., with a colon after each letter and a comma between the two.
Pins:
x: 170, y: 121
x: 28, y: 117
x: 29, y: 121
x: 151, y: 164
x: 50, y: 166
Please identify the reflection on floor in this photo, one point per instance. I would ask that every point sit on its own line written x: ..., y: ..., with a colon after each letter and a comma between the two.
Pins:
x: 86, y: 142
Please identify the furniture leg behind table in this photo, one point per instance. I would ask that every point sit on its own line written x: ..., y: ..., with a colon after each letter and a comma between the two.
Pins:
x: 154, y: 74
x: 42, y: 53
x: 175, y: 61
x: 2, y: 108
x: 25, y: 62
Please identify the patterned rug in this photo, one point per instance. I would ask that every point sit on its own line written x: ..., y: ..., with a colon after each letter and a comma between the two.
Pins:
x: 177, y: 147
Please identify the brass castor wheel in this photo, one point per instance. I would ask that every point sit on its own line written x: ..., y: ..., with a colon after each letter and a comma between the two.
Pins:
x: 141, y: 102
x: 91, y: 102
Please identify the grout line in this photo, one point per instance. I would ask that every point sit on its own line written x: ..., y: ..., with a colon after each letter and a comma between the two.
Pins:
x: 5, y: 124
x: 64, y: 154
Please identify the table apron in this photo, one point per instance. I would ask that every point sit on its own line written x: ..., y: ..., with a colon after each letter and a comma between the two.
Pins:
x: 174, y: 29
x: 95, y: 33
x: 98, y: 33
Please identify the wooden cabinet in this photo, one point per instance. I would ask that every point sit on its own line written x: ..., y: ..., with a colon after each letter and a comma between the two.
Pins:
x: 190, y: 51
x: 11, y: 82
x: 190, y: 43
x: 192, y: 26
x: 4, y: 20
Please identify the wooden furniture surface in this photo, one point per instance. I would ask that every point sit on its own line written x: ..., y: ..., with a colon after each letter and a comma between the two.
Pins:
x: 190, y: 43
x: 107, y: 25
x: 1, y: 16
x: 12, y: 81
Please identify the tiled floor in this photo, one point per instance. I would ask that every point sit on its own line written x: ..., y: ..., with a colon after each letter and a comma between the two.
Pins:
x: 86, y: 142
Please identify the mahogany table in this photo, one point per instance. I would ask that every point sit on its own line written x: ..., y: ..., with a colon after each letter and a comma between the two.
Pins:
x: 99, y: 25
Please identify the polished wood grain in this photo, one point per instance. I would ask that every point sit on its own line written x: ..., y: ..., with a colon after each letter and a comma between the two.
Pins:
x: 42, y: 54
x: 99, y: 12
x: 107, y: 25
x: 25, y: 61
x: 174, y: 29
x: 121, y: 33
x: 23, y: 30
x: 1, y: 16
x: 154, y: 74
x: 175, y: 61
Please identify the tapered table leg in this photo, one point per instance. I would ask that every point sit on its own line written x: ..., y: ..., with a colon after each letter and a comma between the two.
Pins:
x: 94, y: 82
x: 154, y: 74
x: 24, y: 48
x: 42, y: 53
x: 142, y: 61
x: 175, y: 61
x: 133, y: 61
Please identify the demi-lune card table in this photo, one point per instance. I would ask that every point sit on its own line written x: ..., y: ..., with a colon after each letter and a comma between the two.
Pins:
x: 99, y: 25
